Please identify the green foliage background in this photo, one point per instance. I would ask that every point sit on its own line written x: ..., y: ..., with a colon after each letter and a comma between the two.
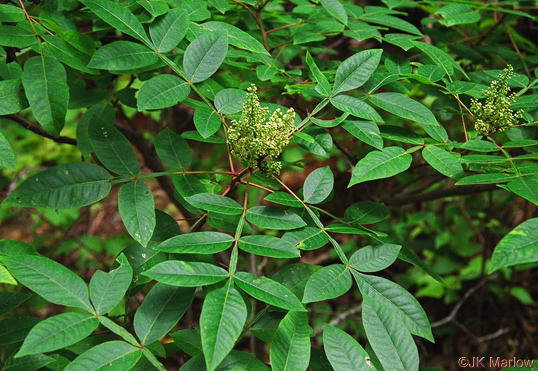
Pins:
x: 390, y: 215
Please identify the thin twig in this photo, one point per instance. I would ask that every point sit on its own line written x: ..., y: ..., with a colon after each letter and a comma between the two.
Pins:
x: 341, y: 317
x: 40, y: 131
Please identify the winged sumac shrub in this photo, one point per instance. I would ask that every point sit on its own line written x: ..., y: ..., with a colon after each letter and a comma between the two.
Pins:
x: 352, y: 92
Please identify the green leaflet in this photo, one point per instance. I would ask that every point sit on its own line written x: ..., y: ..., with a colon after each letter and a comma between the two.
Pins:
x: 186, y: 274
x: 268, y: 246
x: 221, y: 322
x: 295, y: 277
x: 7, y: 157
x: 327, y: 283
x: 405, y: 107
x: 207, y: 121
x: 401, y: 303
x: 336, y: 9
x: 214, y: 202
x: 45, y: 86
x: 62, y: 187
x: 526, y: 187
x: 173, y: 149
x: 517, y: 247
x: 455, y: 14
x: 324, y: 88
x: 162, y: 91
x: 366, y: 131
x: 356, y: 70
x: 12, y: 98
x: 49, y: 279
x: 237, y: 37
x: 108, y: 289
x: 162, y: 308
x: 197, y: 243
x: 117, y: 355
x: 443, y: 161
x: 318, y: 185
x: 307, y: 238
x: 268, y: 291
x: 123, y: 55
x: 58, y: 332
x: 393, y: 344
x: 290, y: 347
x: 229, y: 101
x: 204, y: 55
x: 137, y: 210
x: 374, y: 258
x: 366, y: 213
x: 378, y: 165
x: 168, y: 30
x: 118, y: 17
x: 274, y: 218
x: 112, y: 147
x: 343, y: 351
x: 283, y: 198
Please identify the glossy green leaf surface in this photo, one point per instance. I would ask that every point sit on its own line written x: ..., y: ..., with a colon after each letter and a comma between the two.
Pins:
x: 356, y: 70
x: 356, y: 107
x: 123, y: 55
x: 118, y: 17
x: 162, y: 308
x: 366, y: 212
x: 290, y: 347
x: 283, y: 198
x: 229, y: 101
x: 318, y: 185
x: 374, y: 258
x: 49, y: 279
x: 45, y: 86
x: 392, y: 342
x: 7, y: 157
x: 307, y: 238
x: 137, y: 210
x: 404, y: 107
x: 443, y: 161
x: 343, y: 351
x: 237, y: 37
x: 401, y: 303
x: 517, y: 247
x: 381, y: 164
x: 204, y: 55
x: 117, y: 355
x: 214, y: 202
x: 268, y: 246
x: 221, y: 322
x: 12, y: 98
x: 327, y: 283
x: 108, y: 289
x: 186, y: 274
x: 197, y: 243
x: 268, y: 291
x: 207, y: 121
x: 274, y: 218
x: 58, y: 332
x: 365, y: 131
x: 526, y: 187
x: 173, y: 149
x: 162, y: 91
x: 168, y: 30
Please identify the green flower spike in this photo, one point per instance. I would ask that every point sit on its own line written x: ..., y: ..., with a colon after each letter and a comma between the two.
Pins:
x: 495, y: 114
x: 253, y: 138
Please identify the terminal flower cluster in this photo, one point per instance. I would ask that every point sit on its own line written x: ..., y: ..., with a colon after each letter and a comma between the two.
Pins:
x: 253, y: 139
x: 495, y: 114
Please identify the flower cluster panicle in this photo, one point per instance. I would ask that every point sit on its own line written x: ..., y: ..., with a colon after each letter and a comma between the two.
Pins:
x: 253, y: 138
x: 495, y: 114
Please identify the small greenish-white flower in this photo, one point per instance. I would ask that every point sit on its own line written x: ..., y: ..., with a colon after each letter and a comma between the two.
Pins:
x: 495, y: 114
x: 255, y: 138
